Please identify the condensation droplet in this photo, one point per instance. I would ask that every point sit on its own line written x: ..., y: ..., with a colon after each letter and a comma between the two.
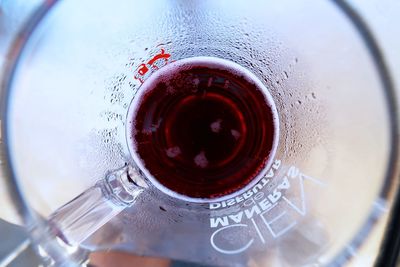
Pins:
x: 313, y: 95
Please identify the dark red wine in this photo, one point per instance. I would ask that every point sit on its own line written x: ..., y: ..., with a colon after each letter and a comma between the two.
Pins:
x: 202, y: 128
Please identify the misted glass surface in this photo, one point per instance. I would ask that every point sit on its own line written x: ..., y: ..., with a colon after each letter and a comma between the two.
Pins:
x: 88, y: 60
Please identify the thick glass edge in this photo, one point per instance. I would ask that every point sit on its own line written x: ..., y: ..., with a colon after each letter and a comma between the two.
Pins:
x: 13, y: 57
x: 33, y: 222
x: 391, y: 244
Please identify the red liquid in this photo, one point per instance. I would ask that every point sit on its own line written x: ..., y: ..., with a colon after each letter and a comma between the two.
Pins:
x: 201, y: 130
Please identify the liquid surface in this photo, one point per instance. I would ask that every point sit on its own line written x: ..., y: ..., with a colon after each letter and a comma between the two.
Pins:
x: 201, y: 129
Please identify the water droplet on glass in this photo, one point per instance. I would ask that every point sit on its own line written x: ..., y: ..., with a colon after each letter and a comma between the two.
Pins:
x: 201, y: 160
x: 236, y: 134
x: 313, y: 95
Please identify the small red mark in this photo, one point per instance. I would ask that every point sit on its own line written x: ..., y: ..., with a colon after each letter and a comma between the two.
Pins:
x: 140, y: 72
x: 157, y: 61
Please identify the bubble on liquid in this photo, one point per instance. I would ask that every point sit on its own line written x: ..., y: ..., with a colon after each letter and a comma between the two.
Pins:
x: 172, y: 152
x: 216, y: 126
x: 170, y: 89
x: 210, y: 80
x: 201, y: 160
x: 236, y: 134
x: 164, y: 74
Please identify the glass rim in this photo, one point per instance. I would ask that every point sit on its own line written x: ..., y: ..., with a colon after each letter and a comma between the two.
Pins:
x: 391, y: 239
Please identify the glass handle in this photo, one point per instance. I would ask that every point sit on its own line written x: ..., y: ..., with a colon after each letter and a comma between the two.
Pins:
x: 82, y: 216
